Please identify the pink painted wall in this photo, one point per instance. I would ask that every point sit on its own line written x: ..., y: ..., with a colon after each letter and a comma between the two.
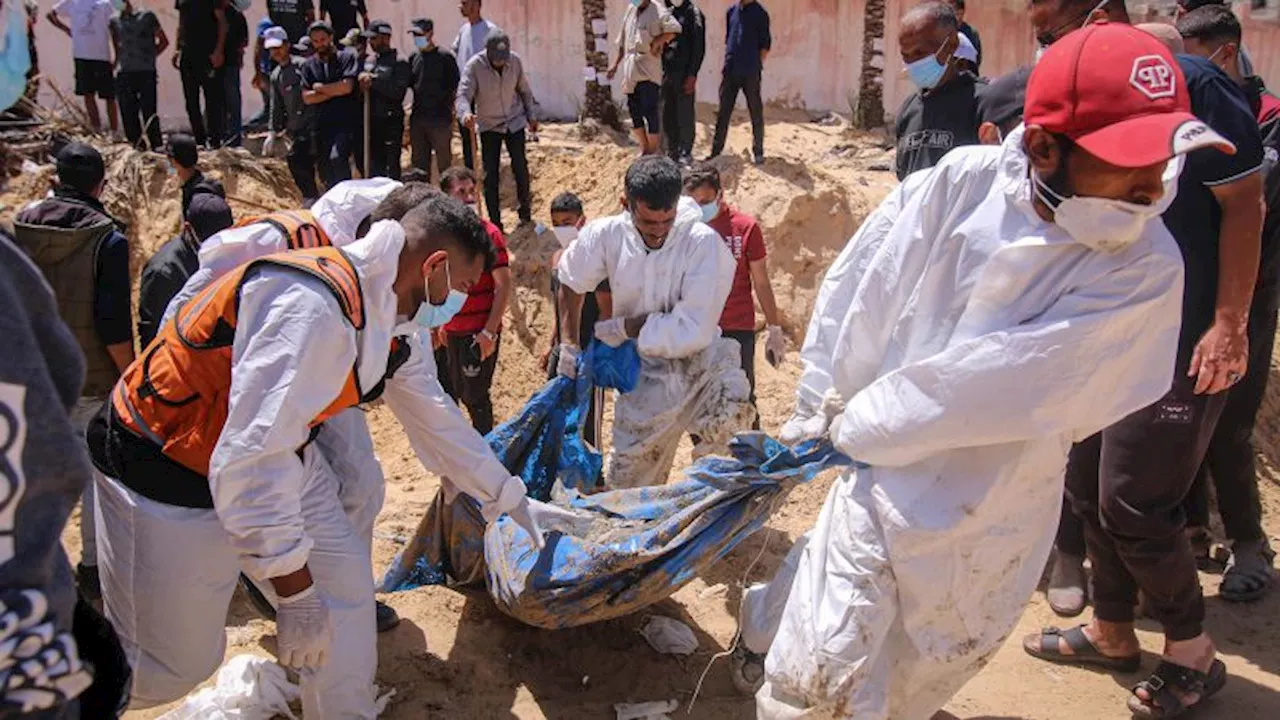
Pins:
x: 815, y: 63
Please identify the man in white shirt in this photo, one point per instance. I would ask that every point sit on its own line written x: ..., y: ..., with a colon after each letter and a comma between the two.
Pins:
x: 87, y: 24
x: 647, y: 27
x: 470, y: 42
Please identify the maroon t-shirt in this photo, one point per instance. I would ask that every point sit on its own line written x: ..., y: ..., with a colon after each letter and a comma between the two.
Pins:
x: 475, y: 313
x: 742, y: 235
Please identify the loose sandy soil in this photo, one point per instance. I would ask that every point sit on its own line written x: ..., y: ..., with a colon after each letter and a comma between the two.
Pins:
x: 456, y: 656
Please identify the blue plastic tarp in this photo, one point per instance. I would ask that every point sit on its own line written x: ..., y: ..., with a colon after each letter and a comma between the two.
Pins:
x: 633, y: 547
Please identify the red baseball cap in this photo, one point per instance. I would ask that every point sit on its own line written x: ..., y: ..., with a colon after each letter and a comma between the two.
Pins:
x: 1118, y: 93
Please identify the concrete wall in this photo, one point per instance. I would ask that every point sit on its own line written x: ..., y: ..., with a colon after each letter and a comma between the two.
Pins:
x: 815, y: 62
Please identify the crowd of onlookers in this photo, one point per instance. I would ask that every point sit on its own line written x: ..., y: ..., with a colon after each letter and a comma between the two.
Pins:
x: 333, y: 87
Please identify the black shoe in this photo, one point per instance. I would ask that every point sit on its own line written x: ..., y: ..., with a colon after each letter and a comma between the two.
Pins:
x: 257, y: 599
x: 387, y: 616
x: 87, y: 582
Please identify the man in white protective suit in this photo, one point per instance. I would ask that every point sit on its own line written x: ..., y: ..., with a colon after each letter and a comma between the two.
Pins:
x: 210, y: 444
x: 336, y: 218
x: 990, y: 312
x: 670, y: 275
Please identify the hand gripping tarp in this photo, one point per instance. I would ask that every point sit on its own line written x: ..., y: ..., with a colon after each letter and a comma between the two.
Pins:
x: 633, y: 547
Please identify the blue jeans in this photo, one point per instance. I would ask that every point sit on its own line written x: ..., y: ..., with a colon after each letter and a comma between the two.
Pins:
x: 235, y: 124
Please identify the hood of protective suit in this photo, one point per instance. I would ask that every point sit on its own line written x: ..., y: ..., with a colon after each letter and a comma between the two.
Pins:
x: 1015, y: 169
x: 376, y: 258
x: 341, y: 210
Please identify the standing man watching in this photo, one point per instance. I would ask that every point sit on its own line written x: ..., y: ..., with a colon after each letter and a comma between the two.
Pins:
x: 1214, y: 33
x: 342, y: 15
x: 681, y: 62
x: 237, y: 42
x: 647, y: 27
x: 473, y: 336
x: 746, y: 46
x: 943, y: 112
x: 138, y: 39
x: 329, y: 85
x: 386, y: 82
x: 84, y: 256
x: 200, y: 57
x: 470, y: 42
x: 91, y: 50
x: 434, y: 77
x: 1129, y: 481
x: 494, y: 84
x: 741, y: 234
x: 289, y: 113
x: 295, y: 16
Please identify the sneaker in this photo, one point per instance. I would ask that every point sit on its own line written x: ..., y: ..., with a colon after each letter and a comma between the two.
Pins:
x: 87, y: 582
x: 387, y: 616
x: 746, y: 669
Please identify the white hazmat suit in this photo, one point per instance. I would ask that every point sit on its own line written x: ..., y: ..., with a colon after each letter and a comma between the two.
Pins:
x: 691, y: 378
x: 169, y: 572
x: 975, y: 343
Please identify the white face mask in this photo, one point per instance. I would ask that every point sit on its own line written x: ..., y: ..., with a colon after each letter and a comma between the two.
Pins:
x: 565, y: 234
x: 1101, y: 224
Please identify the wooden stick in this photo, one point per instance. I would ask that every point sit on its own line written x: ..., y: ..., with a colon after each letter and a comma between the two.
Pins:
x: 479, y: 163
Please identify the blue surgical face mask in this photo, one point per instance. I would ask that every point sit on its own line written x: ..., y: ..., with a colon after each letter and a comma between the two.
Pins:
x: 433, y: 316
x: 710, y: 210
x: 118, y: 5
x: 636, y: 3
x: 927, y: 71
x: 15, y: 58
x: 419, y: 41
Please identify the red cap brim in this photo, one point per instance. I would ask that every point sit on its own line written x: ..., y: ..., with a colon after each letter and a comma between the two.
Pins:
x: 1150, y: 139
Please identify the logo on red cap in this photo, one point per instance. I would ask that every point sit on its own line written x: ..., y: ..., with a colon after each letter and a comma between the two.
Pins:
x: 1153, y: 76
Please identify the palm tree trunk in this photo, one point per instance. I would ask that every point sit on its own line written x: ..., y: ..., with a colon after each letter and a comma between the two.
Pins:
x: 870, y: 110
x: 598, y: 103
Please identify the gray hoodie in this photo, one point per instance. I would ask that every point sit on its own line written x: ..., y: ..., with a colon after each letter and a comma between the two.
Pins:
x: 43, y: 467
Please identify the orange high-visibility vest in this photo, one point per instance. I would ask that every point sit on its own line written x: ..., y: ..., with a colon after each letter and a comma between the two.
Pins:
x: 176, y: 394
x: 298, y: 226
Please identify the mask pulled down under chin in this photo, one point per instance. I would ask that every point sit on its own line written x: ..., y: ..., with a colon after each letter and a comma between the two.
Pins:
x: 1101, y: 224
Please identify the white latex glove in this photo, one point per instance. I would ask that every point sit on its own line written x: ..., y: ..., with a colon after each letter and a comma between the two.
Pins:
x: 612, y: 332
x: 304, y: 632
x: 803, y: 426
x: 834, y: 431
x: 775, y: 345
x: 567, y: 365
x: 538, y: 517
x: 269, y: 145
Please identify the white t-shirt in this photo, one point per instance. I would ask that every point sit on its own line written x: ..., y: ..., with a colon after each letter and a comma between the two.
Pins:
x: 88, y: 20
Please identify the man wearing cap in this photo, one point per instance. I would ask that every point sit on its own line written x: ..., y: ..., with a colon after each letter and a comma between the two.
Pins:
x: 1128, y: 482
x: 342, y: 15
x: 329, y: 86
x: 84, y: 256
x: 386, y: 79
x: 434, y: 77
x: 289, y: 113
x: 977, y: 323
x: 470, y: 42
x: 942, y: 113
x: 494, y: 84
x: 1214, y: 33
x: 168, y: 270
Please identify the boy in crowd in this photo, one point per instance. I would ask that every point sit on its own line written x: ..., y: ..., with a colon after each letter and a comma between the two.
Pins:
x: 138, y: 39
x: 91, y: 48
x: 184, y: 156
x: 741, y: 234
x: 567, y: 218
x: 469, y: 354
